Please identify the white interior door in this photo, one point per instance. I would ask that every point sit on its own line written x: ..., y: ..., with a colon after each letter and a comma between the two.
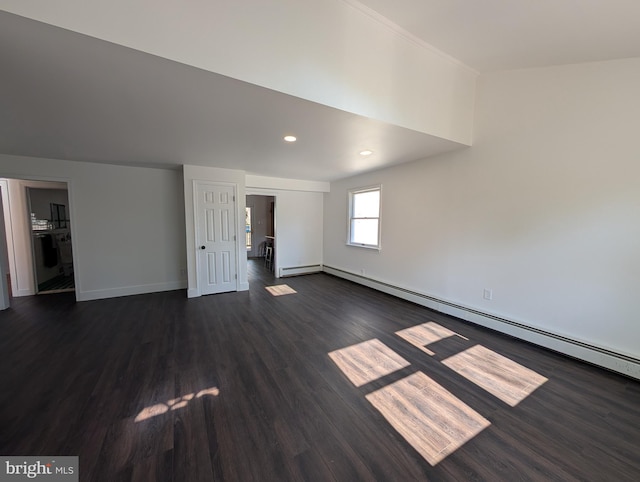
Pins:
x: 216, y: 238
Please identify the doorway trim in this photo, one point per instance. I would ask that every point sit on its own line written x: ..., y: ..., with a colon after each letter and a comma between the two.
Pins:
x: 73, y: 227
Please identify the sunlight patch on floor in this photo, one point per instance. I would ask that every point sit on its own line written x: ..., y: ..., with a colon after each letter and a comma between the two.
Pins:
x: 367, y: 361
x: 497, y: 374
x: 432, y: 420
x: 422, y: 335
x: 174, y: 404
x: 429, y: 417
x: 279, y: 290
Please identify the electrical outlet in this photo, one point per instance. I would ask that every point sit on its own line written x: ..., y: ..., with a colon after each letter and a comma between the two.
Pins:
x: 488, y: 294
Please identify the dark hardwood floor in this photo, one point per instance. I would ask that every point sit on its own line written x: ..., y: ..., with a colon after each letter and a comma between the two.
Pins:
x: 241, y: 387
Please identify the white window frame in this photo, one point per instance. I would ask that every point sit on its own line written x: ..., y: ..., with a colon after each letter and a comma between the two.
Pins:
x: 350, y: 217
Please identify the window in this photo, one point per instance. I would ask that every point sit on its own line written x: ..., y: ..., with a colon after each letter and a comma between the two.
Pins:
x: 364, y: 217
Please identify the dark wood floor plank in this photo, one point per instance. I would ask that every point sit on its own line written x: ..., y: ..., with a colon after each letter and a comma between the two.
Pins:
x: 240, y: 387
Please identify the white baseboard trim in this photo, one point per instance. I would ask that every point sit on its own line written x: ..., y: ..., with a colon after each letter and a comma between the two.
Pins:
x: 130, y: 290
x: 298, y: 270
x: 243, y: 286
x: 602, y: 357
x: 192, y: 293
x: 23, y: 292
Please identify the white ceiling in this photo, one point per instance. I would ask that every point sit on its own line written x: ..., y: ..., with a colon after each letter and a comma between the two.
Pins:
x: 492, y: 35
x: 68, y: 96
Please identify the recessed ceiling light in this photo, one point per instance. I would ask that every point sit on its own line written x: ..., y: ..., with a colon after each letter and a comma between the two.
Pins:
x: 290, y: 138
x: 366, y: 152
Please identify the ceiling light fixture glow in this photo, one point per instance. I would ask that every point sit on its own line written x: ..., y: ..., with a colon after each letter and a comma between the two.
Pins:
x: 290, y: 138
x: 366, y: 152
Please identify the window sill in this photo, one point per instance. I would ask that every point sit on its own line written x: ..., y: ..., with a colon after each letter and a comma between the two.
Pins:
x: 365, y: 246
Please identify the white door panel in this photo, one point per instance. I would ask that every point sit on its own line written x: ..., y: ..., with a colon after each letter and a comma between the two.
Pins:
x: 216, y: 243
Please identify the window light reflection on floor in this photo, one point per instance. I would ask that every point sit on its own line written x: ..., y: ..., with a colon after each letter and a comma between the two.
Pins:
x: 422, y: 335
x: 497, y: 374
x: 174, y: 404
x: 279, y: 290
x: 431, y: 419
x: 367, y: 361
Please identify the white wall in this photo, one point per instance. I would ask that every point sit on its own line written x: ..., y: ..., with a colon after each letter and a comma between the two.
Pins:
x: 329, y: 52
x: 298, y: 229
x: 127, y: 224
x: 543, y: 209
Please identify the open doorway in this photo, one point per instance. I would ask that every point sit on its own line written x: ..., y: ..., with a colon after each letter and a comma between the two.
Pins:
x: 38, y: 236
x: 260, y: 223
x: 51, y: 240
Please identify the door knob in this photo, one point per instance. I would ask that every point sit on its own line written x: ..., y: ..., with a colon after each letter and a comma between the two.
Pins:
x: 203, y: 247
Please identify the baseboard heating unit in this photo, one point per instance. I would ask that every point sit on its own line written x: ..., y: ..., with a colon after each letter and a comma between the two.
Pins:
x: 617, y: 362
x: 298, y: 270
